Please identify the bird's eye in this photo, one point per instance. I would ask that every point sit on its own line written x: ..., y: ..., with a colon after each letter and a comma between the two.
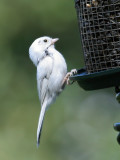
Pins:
x: 45, y: 40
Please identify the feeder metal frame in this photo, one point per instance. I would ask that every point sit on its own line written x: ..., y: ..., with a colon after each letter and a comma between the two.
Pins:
x: 99, y: 25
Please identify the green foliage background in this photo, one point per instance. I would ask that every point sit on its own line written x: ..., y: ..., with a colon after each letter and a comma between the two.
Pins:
x: 80, y: 124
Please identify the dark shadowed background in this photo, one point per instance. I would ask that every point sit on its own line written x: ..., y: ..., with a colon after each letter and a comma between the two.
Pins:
x: 79, y: 125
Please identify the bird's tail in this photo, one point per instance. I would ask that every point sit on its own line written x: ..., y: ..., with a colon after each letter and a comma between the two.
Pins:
x: 40, y: 122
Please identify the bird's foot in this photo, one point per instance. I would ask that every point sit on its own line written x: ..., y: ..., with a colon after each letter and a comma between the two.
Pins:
x: 68, y: 75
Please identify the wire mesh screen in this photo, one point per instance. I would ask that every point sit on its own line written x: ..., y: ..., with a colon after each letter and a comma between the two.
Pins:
x: 99, y: 24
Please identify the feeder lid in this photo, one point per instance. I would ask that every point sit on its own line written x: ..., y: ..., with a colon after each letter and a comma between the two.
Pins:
x: 97, y: 80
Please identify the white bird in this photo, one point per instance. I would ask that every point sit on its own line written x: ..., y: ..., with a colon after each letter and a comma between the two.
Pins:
x: 51, y: 74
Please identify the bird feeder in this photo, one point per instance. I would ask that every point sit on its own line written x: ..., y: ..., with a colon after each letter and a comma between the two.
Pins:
x: 99, y: 26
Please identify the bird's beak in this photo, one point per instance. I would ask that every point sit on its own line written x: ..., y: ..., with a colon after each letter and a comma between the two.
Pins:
x: 54, y: 40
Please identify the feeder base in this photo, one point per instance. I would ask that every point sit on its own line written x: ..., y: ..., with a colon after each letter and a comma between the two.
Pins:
x: 97, y: 80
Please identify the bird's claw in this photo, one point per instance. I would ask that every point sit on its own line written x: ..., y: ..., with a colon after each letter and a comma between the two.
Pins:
x: 68, y: 75
x: 73, y: 72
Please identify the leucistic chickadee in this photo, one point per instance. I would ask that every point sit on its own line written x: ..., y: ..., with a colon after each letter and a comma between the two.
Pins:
x: 52, y: 74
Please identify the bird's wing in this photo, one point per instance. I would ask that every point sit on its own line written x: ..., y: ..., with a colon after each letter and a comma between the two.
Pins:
x: 44, y: 71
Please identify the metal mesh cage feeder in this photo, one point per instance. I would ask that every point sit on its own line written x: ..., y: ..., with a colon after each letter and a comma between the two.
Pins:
x: 99, y: 26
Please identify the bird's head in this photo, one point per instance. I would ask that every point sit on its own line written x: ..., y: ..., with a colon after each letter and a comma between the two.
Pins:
x: 45, y: 42
x: 39, y: 46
